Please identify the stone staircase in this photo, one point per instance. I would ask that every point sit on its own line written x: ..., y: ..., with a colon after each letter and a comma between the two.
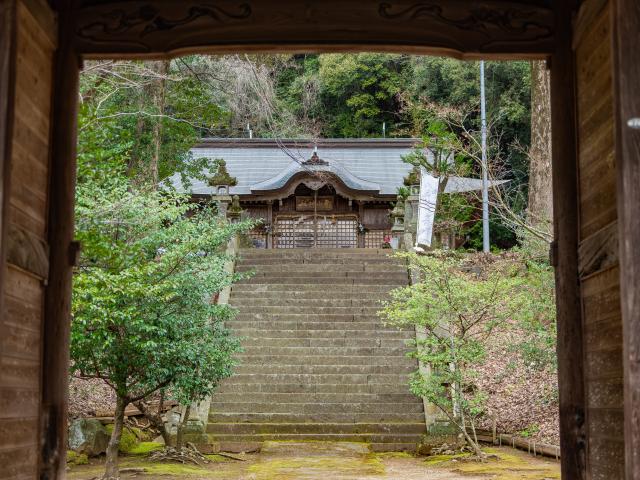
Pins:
x: 318, y: 364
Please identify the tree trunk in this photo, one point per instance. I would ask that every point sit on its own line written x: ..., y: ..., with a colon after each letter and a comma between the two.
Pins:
x: 155, y: 419
x: 111, y: 465
x: 540, y: 210
x: 183, y: 423
x: 133, y: 164
x: 159, y: 106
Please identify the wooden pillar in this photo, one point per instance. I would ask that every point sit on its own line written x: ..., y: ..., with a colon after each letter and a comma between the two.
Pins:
x: 626, y: 28
x: 7, y: 89
x: 361, y: 239
x: 62, y: 252
x: 270, y: 223
x: 565, y: 248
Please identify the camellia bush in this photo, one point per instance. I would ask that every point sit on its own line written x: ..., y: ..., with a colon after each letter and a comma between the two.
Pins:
x: 459, y: 302
x: 143, y: 314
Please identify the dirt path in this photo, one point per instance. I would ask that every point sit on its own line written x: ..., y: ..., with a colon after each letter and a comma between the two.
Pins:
x: 331, y: 461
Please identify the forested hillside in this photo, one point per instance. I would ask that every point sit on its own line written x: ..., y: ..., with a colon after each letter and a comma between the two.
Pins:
x: 139, y: 119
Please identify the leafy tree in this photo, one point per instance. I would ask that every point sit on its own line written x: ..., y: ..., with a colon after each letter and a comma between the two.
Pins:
x: 458, y: 309
x: 144, y: 319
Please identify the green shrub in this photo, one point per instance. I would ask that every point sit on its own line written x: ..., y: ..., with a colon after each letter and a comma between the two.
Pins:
x: 75, y: 458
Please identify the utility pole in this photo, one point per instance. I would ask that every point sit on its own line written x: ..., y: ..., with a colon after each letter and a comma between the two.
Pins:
x: 485, y: 180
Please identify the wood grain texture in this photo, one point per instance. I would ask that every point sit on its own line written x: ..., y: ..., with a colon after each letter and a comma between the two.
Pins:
x: 28, y: 251
x: 626, y: 24
x: 565, y: 206
x: 62, y: 253
x: 7, y: 94
x: 22, y: 293
x: 462, y: 28
x: 599, y: 251
x: 596, y: 135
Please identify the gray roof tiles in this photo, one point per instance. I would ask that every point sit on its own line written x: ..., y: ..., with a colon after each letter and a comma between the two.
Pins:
x: 365, y: 164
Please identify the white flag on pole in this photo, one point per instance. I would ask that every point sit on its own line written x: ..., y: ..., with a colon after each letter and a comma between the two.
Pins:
x: 426, y: 207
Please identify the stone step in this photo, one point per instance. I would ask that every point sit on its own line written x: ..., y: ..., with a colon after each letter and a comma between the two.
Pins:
x: 292, y: 418
x: 320, y: 260
x: 306, y: 428
x: 374, y: 388
x: 318, y: 378
x: 261, y: 358
x: 313, y: 398
x: 356, y: 342
x: 377, y: 352
x: 392, y: 280
x: 318, y: 362
x: 370, y: 438
x: 323, y: 268
x: 241, y: 447
x: 306, y: 322
x: 317, y: 408
x: 310, y: 310
x: 238, y: 297
x: 327, y: 289
x: 242, y: 301
x: 335, y: 274
x: 314, y: 252
x: 322, y: 369
x: 325, y: 334
x: 303, y: 251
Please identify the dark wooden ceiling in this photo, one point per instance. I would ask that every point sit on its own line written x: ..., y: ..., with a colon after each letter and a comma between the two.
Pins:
x: 461, y: 28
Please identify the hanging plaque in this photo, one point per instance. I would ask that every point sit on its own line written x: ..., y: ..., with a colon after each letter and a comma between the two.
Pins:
x: 306, y: 204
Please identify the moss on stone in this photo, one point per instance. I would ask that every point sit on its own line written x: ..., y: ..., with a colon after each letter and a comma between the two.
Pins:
x: 145, y: 448
x: 75, y: 458
x: 128, y: 440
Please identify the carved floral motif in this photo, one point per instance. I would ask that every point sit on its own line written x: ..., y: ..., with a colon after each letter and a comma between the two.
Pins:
x: 481, y: 19
x: 149, y: 19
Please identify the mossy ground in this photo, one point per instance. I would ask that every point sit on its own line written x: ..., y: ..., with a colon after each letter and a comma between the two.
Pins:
x: 504, y: 464
x: 75, y: 458
x: 317, y: 467
x: 130, y: 438
x: 345, y: 465
x: 145, y: 448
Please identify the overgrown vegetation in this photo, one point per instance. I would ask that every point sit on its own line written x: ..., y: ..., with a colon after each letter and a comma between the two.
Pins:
x: 460, y: 303
x: 151, y: 262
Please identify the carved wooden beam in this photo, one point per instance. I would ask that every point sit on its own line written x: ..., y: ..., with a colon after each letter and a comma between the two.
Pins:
x: 28, y: 251
x: 599, y: 251
x: 460, y: 28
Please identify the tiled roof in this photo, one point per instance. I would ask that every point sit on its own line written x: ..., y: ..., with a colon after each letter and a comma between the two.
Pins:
x: 264, y: 164
x: 256, y: 161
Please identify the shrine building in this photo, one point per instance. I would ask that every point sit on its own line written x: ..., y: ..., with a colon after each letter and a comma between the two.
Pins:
x: 326, y: 193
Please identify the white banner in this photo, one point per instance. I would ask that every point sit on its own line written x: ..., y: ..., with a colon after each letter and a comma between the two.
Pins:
x: 426, y: 207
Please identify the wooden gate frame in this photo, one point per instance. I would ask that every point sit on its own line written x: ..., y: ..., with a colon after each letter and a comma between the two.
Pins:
x: 498, y: 29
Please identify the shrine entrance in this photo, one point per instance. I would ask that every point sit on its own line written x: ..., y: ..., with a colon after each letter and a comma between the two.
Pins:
x: 316, y: 231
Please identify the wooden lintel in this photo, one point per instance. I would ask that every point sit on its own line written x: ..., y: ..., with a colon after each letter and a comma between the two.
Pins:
x: 599, y: 251
x: 460, y: 28
x: 28, y: 251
